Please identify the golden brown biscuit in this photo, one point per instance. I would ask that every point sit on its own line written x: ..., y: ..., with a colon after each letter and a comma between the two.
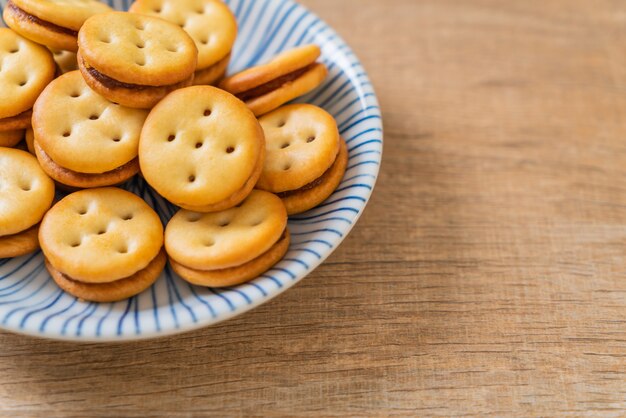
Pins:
x: 26, y: 193
x: 211, y: 25
x: 101, y: 235
x: 25, y: 70
x: 134, y: 59
x: 113, y: 291
x: 302, y: 142
x: 306, y: 158
x: 10, y: 139
x: 75, y: 127
x: 49, y: 22
x: 228, y: 247
x: 209, y: 156
x: 286, y: 77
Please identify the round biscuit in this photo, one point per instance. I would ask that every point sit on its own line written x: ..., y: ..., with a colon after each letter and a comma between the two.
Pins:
x: 70, y: 14
x: 210, y: 23
x: 306, y: 199
x: 73, y: 180
x: 236, y: 275
x: 229, y: 238
x: 282, y: 64
x: 207, y: 153
x: 101, y: 235
x: 137, y: 49
x: 25, y: 70
x: 302, y: 142
x: 76, y: 127
x: 114, y: 291
x: 11, y: 138
x: 20, y: 244
x: 65, y: 60
x: 26, y: 192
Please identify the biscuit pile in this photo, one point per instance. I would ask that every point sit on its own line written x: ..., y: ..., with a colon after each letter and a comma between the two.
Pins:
x: 101, y: 96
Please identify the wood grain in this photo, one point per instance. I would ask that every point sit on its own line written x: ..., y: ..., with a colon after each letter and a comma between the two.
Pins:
x: 487, y: 277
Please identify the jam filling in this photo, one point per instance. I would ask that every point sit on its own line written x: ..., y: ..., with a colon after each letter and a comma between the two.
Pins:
x: 112, y: 83
x: 269, y: 87
x: 23, y: 15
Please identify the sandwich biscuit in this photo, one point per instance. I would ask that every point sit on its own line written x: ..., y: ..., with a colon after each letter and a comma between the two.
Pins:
x: 103, y: 245
x: 135, y: 60
x: 211, y: 25
x: 83, y: 140
x: 305, y: 156
x: 229, y: 247
x: 286, y: 77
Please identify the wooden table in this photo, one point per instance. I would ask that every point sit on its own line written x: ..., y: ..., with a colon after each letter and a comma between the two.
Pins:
x: 487, y: 276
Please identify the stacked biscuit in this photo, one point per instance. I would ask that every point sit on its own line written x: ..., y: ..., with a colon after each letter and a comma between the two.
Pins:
x: 113, y: 94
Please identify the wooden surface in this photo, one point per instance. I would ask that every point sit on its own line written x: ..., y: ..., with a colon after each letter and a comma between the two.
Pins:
x: 487, y: 276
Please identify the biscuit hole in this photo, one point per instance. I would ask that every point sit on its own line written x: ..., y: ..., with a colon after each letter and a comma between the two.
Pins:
x: 82, y: 211
x: 23, y: 83
x: 117, y: 139
x: 199, y: 144
x: 94, y: 117
x: 140, y: 45
x: 26, y: 187
x: 15, y: 50
x: 171, y: 138
x: 172, y: 49
x: 207, y: 112
x: 75, y: 244
x: 285, y: 145
x: 140, y: 26
x: 193, y: 218
x: 257, y: 223
x: 192, y: 178
x: 282, y: 123
x: 127, y: 217
x: 66, y: 134
x: 230, y: 150
x: 105, y: 40
x: 287, y: 167
x: 102, y: 231
x: 204, y: 41
x: 209, y: 243
x: 140, y: 62
x: 122, y: 249
x: 75, y: 95
x: 224, y: 224
x: 310, y: 139
x: 157, y: 10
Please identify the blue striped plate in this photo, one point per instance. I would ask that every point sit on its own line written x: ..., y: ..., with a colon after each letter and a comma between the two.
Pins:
x: 31, y: 303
